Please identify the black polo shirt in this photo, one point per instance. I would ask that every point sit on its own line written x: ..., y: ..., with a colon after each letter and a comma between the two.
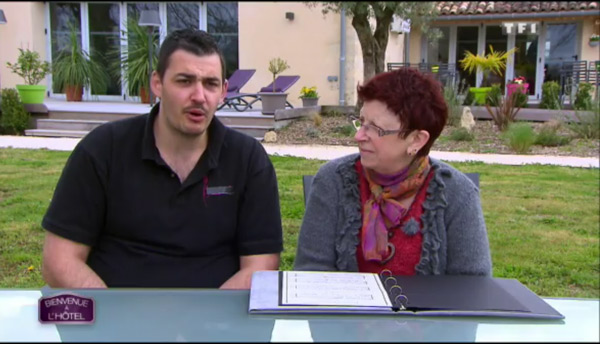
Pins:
x: 146, y: 228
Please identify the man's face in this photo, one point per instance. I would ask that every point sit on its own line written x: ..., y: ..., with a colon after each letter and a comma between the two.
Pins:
x: 190, y: 92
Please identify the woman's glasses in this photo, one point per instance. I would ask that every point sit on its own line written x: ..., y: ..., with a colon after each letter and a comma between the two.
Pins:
x: 358, y: 124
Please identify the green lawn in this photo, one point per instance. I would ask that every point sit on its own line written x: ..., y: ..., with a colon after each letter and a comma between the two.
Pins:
x: 543, y: 221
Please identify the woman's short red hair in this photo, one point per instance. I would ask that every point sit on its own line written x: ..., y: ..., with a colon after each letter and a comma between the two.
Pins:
x: 414, y: 97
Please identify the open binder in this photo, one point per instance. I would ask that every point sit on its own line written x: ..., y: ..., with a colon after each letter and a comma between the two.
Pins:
x: 296, y: 292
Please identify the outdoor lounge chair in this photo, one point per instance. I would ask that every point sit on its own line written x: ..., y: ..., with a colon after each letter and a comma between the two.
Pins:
x: 237, y: 101
x: 237, y: 80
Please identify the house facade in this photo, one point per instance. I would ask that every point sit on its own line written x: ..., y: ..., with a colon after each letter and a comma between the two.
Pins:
x: 545, y: 34
x: 322, y: 49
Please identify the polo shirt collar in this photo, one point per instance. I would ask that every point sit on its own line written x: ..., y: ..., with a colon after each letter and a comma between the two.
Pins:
x: 216, y: 138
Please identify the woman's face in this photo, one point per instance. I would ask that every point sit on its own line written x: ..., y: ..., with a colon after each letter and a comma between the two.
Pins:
x: 387, y: 154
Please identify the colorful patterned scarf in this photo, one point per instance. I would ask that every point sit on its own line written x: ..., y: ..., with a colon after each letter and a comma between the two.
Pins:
x: 383, y: 210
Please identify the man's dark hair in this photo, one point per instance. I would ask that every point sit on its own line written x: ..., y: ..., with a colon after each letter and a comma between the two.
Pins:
x: 195, y: 41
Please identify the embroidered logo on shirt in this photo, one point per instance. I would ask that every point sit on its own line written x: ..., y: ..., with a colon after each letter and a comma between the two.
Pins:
x: 219, y: 190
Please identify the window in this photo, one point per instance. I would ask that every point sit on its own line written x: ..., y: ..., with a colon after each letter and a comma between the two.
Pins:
x: 223, y: 26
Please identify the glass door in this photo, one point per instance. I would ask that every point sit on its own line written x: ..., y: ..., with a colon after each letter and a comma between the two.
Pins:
x: 182, y: 15
x: 62, y: 15
x: 498, y: 41
x: 560, y: 46
x: 466, y: 40
x: 525, y: 59
x: 104, y: 23
x: 222, y: 24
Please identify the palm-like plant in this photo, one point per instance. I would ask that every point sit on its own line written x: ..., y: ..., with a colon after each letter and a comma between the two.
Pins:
x: 73, y: 69
x: 133, y: 58
x: 493, y: 62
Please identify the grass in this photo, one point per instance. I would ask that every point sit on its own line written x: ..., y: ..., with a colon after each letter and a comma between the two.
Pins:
x: 542, y: 221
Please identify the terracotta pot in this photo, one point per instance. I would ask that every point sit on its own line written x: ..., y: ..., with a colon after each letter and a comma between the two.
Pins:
x: 144, y: 96
x: 74, y: 93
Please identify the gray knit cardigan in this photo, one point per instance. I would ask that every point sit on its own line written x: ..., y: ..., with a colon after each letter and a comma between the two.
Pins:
x: 454, y: 235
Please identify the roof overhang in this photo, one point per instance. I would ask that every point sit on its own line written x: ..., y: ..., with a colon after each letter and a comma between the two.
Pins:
x: 530, y: 15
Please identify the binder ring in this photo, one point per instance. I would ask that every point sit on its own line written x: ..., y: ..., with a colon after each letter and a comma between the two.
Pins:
x: 390, y: 278
x: 401, y: 301
x: 396, y: 289
x: 386, y: 273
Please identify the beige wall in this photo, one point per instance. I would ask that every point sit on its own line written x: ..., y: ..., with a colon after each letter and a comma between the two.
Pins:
x: 415, y: 47
x: 24, y: 29
x: 590, y: 26
x: 310, y: 44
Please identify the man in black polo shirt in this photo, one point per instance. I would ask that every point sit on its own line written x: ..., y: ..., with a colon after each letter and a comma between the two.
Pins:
x: 168, y: 199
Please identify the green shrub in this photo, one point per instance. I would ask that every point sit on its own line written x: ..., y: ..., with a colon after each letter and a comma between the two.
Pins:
x: 520, y: 137
x: 461, y: 134
x: 548, y: 137
x: 588, y: 125
x: 313, y: 132
x: 521, y: 100
x: 583, y: 97
x: 453, y: 93
x: 317, y: 119
x: 494, y: 96
x: 469, y: 99
x: 345, y: 130
x: 550, y: 99
x: 14, y: 119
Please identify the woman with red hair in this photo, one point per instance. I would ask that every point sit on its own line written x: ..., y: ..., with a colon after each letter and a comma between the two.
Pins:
x: 391, y: 206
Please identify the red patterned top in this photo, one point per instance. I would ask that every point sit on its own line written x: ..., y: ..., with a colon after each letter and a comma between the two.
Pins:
x: 408, y: 247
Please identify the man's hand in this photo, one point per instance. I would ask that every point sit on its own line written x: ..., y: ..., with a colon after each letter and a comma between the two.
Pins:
x: 64, y: 264
x: 249, y: 264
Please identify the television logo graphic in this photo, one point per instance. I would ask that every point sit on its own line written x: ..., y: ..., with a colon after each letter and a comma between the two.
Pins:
x: 66, y: 309
x: 509, y: 28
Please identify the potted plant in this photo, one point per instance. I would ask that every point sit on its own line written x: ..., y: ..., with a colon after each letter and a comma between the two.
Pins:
x: 74, y: 69
x: 309, y: 96
x: 272, y: 101
x: 594, y: 40
x: 134, y: 61
x: 32, y: 69
x: 492, y: 63
x: 518, y: 84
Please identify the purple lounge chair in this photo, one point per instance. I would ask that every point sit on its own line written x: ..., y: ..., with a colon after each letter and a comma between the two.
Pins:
x: 237, y: 80
x: 282, y: 84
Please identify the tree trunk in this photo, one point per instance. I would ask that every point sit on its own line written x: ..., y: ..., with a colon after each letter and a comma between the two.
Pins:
x: 373, y: 45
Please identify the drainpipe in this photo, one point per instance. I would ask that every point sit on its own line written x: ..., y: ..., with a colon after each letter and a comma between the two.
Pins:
x: 534, y: 15
x: 407, y: 47
x: 342, y: 56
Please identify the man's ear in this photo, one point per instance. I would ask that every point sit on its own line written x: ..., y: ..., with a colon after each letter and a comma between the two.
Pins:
x: 156, y: 84
x: 224, y: 93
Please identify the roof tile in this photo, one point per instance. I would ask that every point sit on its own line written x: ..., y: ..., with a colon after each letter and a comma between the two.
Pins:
x: 450, y: 8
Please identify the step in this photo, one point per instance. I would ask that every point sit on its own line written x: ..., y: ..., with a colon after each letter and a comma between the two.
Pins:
x: 55, y: 133
x: 68, y: 124
x: 252, y: 130
x: 232, y: 118
x: 90, y: 116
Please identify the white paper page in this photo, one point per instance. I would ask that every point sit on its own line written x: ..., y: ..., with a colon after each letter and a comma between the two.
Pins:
x: 351, y: 289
